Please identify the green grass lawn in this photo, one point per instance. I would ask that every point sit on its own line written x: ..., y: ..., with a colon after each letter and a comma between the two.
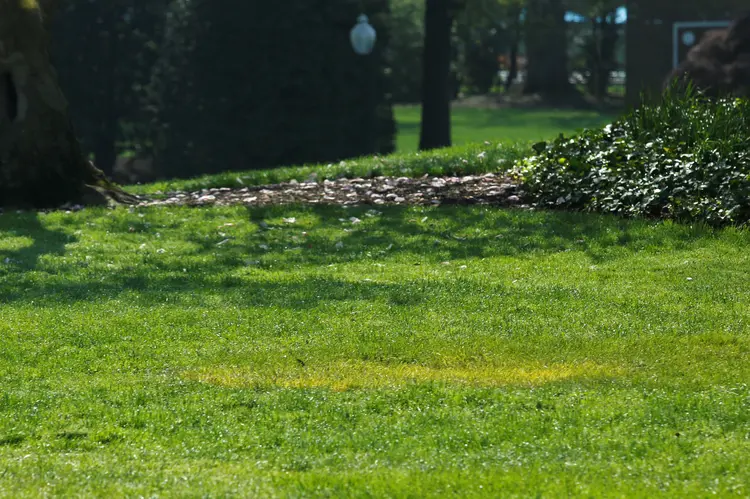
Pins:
x: 408, y: 352
x: 470, y: 125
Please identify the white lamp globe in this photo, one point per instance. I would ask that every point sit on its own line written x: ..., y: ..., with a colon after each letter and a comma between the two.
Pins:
x: 688, y: 38
x: 363, y: 36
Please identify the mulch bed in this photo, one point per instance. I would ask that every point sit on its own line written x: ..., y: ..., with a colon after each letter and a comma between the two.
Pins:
x: 471, y: 189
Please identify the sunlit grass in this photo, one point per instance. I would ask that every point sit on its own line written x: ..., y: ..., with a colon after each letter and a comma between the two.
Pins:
x: 408, y: 351
x: 504, y: 125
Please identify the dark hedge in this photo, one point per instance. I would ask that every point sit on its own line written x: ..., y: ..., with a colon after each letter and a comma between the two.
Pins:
x: 245, y: 85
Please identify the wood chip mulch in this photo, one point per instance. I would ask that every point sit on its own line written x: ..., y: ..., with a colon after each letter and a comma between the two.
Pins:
x: 471, y: 189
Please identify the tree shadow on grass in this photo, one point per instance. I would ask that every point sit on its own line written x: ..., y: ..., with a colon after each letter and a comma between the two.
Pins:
x: 423, y: 235
x: 43, y: 241
x: 209, y: 274
x: 145, y: 290
x: 452, y: 232
x: 304, y: 294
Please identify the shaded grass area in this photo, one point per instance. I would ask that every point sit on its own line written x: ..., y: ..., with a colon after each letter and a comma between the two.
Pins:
x: 406, y: 352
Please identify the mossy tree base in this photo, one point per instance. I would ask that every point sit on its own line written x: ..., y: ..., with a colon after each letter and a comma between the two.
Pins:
x: 41, y: 162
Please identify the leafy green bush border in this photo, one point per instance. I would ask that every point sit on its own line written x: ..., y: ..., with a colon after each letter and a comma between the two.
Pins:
x: 687, y: 158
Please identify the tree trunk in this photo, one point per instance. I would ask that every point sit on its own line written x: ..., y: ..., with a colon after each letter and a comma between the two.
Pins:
x: 606, y: 34
x: 546, y: 50
x: 515, y: 44
x: 436, y: 81
x: 41, y: 163
x: 105, y: 137
x: 105, y: 147
x: 513, y: 69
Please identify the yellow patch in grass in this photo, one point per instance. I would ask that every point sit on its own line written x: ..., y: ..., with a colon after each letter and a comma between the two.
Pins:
x: 30, y: 4
x: 349, y: 375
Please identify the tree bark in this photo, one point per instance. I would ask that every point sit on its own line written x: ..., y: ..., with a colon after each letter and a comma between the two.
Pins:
x: 41, y: 162
x: 105, y: 138
x: 546, y: 50
x: 436, y: 81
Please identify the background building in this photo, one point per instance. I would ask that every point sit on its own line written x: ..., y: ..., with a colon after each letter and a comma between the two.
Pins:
x: 660, y: 32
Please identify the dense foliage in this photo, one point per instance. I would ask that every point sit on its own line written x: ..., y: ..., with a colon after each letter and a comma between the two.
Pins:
x: 687, y: 158
x: 259, y: 84
x: 104, y: 53
x: 211, y: 86
x: 405, y: 50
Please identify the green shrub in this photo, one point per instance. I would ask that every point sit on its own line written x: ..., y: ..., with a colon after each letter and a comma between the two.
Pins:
x: 404, y: 52
x: 687, y: 158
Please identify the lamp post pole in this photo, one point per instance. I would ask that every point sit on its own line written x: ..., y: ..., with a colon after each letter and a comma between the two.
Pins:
x: 363, y: 38
x: 436, y: 99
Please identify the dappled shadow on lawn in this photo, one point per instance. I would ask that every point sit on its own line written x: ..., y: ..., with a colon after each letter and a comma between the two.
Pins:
x: 434, y: 235
x: 284, y: 263
x: 207, y: 291
x: 24, y: 240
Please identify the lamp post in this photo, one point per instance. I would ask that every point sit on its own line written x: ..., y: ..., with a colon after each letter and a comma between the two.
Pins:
x: 435, y: 131
x: 363, y: 36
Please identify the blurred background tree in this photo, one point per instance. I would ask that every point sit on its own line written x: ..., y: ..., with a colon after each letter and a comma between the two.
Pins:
x: 547, y: 71
x: 598, y: 42
x: 489, y: 38
x: 198, y: 86
x: 259, y: 84
x: 104, y: 52
x: 405, y: 50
